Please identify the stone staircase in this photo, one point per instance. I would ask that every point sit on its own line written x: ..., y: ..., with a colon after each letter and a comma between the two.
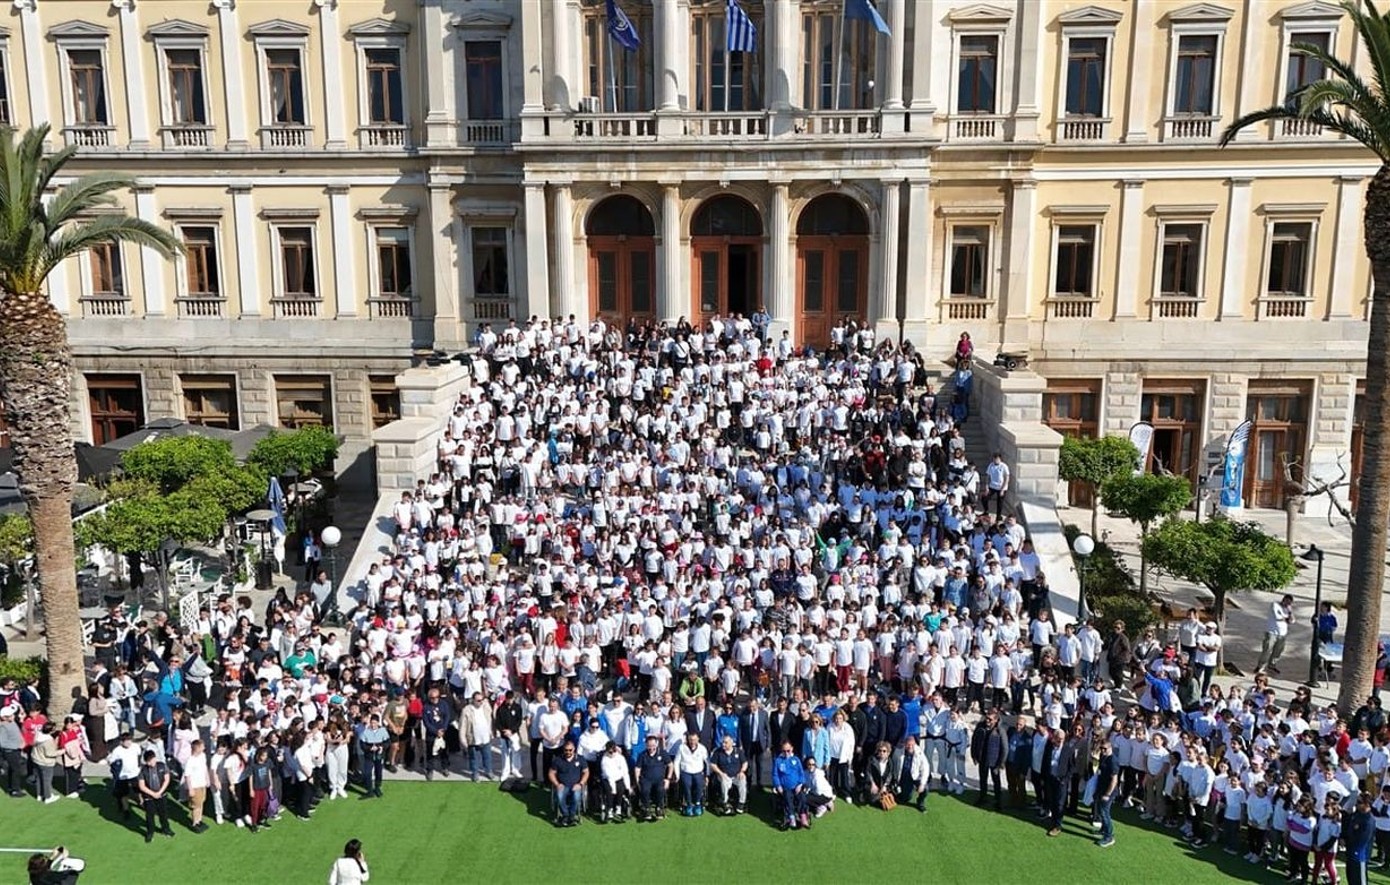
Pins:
x: 976, y: 446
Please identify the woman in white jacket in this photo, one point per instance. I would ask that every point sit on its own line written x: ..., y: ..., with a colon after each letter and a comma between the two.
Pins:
x: 351, y: 868
x: 841, y: 755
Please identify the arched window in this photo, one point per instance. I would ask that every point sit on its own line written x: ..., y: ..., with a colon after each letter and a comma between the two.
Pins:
x: 727, y: 216
x: 832, y: 215
x: 618, y: 216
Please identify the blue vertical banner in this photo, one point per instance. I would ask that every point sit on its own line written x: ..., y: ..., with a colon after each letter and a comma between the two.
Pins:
x: 1233, y: 469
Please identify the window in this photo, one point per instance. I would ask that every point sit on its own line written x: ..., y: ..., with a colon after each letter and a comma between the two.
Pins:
x: 1304, y: 69
x: 297, y: 262
x: 744, y: 74
x: 187, y: 100
x: 385, y: 89
x: 210, y: 400
x: 1076, y: 250
x: 1194, y: 88
x: 1289, y: 258
x: 977, y: 74
x: 613, y: 75
x: 304, y: 400
x: 6, y: 115
x: 491, y: 273
x: 386, y: 400
x: 969, y: 261
x: 88, y: 87
x: 483, y: 72
x: 107, y: 277
x: 1182, y: 261
x: 284, y: 72
x: 117, y: 406
x: 393, y: 262
x: 200, y: 262
x: 1086, y: 76
x: 858, y: 62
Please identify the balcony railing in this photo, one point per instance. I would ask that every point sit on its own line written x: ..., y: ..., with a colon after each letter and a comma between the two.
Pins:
x: 486, y: 132
x: 187, y: 136
x: 200, y: 307
x: 1292, y: 127
x: 388, y: 308
x: 735, y: 124
x: 977, y: 127
x: 968, y: 308
x: 615, y: 127
x: 296, y: 308
x: 840, y: 124
x: 283, y: 137
x: 1082, y: 128
x: 1176, y: 307
x: 1189, y: 127
x: 489, y: 309
x: 105, y: 306
x: 89, y: 135
x: 383, y: 136
x: 1278, y: 307
x: 1071, y: 308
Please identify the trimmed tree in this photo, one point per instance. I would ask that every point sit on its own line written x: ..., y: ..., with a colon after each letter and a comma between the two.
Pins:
x: 1095, y: 460
x: 38, y: 232
x: 1145, y: 499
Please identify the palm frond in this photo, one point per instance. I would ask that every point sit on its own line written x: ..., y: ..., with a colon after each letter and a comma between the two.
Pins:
x: 78, y: 238
x: 1273, y: 112
x: 85, y: 194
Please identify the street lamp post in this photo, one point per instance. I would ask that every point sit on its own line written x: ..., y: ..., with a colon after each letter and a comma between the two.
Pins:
x: 331, y: 537
x: 1083, y: 547
x: 1314, y: 554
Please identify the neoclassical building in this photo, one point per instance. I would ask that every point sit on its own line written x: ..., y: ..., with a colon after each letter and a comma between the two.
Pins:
x: 357, y: 180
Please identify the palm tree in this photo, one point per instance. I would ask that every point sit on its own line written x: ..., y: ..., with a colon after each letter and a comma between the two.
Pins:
x: 1345, y: 103
x: 37, y: 233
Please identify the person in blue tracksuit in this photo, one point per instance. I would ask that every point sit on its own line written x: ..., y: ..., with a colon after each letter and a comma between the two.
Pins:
x: 789, y: 784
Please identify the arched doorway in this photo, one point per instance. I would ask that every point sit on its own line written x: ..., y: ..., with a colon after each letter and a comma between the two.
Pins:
x: 622, y: 260
x: 726, y: 245
x: 832, y: 266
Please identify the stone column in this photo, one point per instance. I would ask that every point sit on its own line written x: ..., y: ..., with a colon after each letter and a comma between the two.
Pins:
x: 1251, y: 95
x: 1233, y: 294
x: 151, y: 264
x: 923, y: 33
x: 537, y: 253
x: 1023, y: 213
x: 775, y: 16
x: 1131, y: 243
x: 883, y: 305
x: 564, y: 293
x: 344, y: 252
x: 443, y: 240
x: 1028, y: 83
x: 917, y: 276
x: 35, y: 51
x: 1137, y: 113
x: 245, y: 247
x: 780, y: 302
x: 532, y: 39
x: 230, y: 41
x: 897, y: 26
x: 330, y: 43
x: 563, y: 95
x: 674, y: 299
x: 437, y: 57
x: 132, y: 63
x: 1345, y: 247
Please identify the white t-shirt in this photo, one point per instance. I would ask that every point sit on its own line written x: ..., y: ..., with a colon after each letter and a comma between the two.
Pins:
x: 1278, y: 620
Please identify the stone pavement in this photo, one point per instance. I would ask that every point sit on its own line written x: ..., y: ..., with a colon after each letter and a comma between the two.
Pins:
x: 1246, y: 613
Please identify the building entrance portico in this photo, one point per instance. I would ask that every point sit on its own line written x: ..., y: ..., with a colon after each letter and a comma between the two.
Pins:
x: 726, y: 247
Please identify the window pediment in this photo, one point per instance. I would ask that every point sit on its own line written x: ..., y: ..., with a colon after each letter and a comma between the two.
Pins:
x: 980, y: 13
x: 78, y: 30
x: 1201, y: 12
x: 176, y: 27
x: 1090, y: 16
x: 278, y: 27
x: 379, y: 27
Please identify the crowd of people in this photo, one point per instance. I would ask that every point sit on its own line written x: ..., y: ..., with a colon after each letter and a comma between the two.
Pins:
x: 663, y: 568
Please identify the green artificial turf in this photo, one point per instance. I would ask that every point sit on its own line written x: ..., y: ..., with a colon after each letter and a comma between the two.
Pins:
x: 459, y: 832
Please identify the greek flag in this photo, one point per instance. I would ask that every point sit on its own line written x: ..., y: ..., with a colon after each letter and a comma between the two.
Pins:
x: 620, y: 28
x: 864, y: 10
x: 740, y: 34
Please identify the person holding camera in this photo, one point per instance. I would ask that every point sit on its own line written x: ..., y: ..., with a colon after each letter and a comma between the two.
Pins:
x: 351, y: 868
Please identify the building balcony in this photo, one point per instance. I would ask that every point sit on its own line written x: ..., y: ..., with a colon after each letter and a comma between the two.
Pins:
x: 200, y: 307
x: 1175, y: 307
x: 274, y: 138
x: 391, y: 308
x: 841, y: 124
x: 1190, y: 127
x: 652, y: 127
x: 959, y: 308
x: 487, y: 133
x: 492, y: 309
x: 1070, y: 308
x: 637, y: 126
x: 90, y: 135
x: 187, y: 136
x: 1298, y: 130
x: 296, y: 308
x: 1283, y: 305
x: 384, y: 137
x: 977, y: 127
x: 739, y: 125
x: 1082, y: 129
x: 105, y: 306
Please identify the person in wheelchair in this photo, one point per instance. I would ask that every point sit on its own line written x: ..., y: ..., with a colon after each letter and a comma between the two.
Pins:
x: 568, y: 777
x: 655, y: 771
x: 615, y: 784
x: 730, y: 770
x: 692, y: 761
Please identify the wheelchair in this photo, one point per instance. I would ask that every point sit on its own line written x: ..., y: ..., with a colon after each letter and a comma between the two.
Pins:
x: 560, y: 820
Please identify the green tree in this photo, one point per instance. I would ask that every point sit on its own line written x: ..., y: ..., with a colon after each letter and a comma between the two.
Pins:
x: 16, y: 545
x: 1093, y: 461
x: 1221, y: 555
x: 39, y: 231
x: 305, y: 450
x: 173, y: 461
x: 1346, y: 103
x: 1144, y: 499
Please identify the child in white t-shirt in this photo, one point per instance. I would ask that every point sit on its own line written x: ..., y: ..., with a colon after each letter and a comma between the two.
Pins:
x: 1259, y: 810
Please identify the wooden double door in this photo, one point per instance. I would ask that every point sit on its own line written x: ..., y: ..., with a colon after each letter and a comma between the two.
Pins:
x: 622, y: 278
x: 726, y: 275
x: 832, y: 282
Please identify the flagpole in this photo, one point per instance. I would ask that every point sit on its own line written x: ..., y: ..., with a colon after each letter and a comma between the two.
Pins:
x: 728, y: 78
x: 839, y: 65
x: 613, y: 73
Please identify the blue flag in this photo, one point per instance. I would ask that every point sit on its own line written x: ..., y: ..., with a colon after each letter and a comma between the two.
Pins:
x: 864, y: 10
x: 739, y: 31
x: 620, y: 28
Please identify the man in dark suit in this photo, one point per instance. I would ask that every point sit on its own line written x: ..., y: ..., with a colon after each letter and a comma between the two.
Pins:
x: 699, y: 721
x: 754, y: 727
x: 873, y: 733
x: 1057, y: 763
x: 780, y: 724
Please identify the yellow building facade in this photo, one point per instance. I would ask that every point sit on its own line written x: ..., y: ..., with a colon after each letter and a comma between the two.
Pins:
x: 357, y: 180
